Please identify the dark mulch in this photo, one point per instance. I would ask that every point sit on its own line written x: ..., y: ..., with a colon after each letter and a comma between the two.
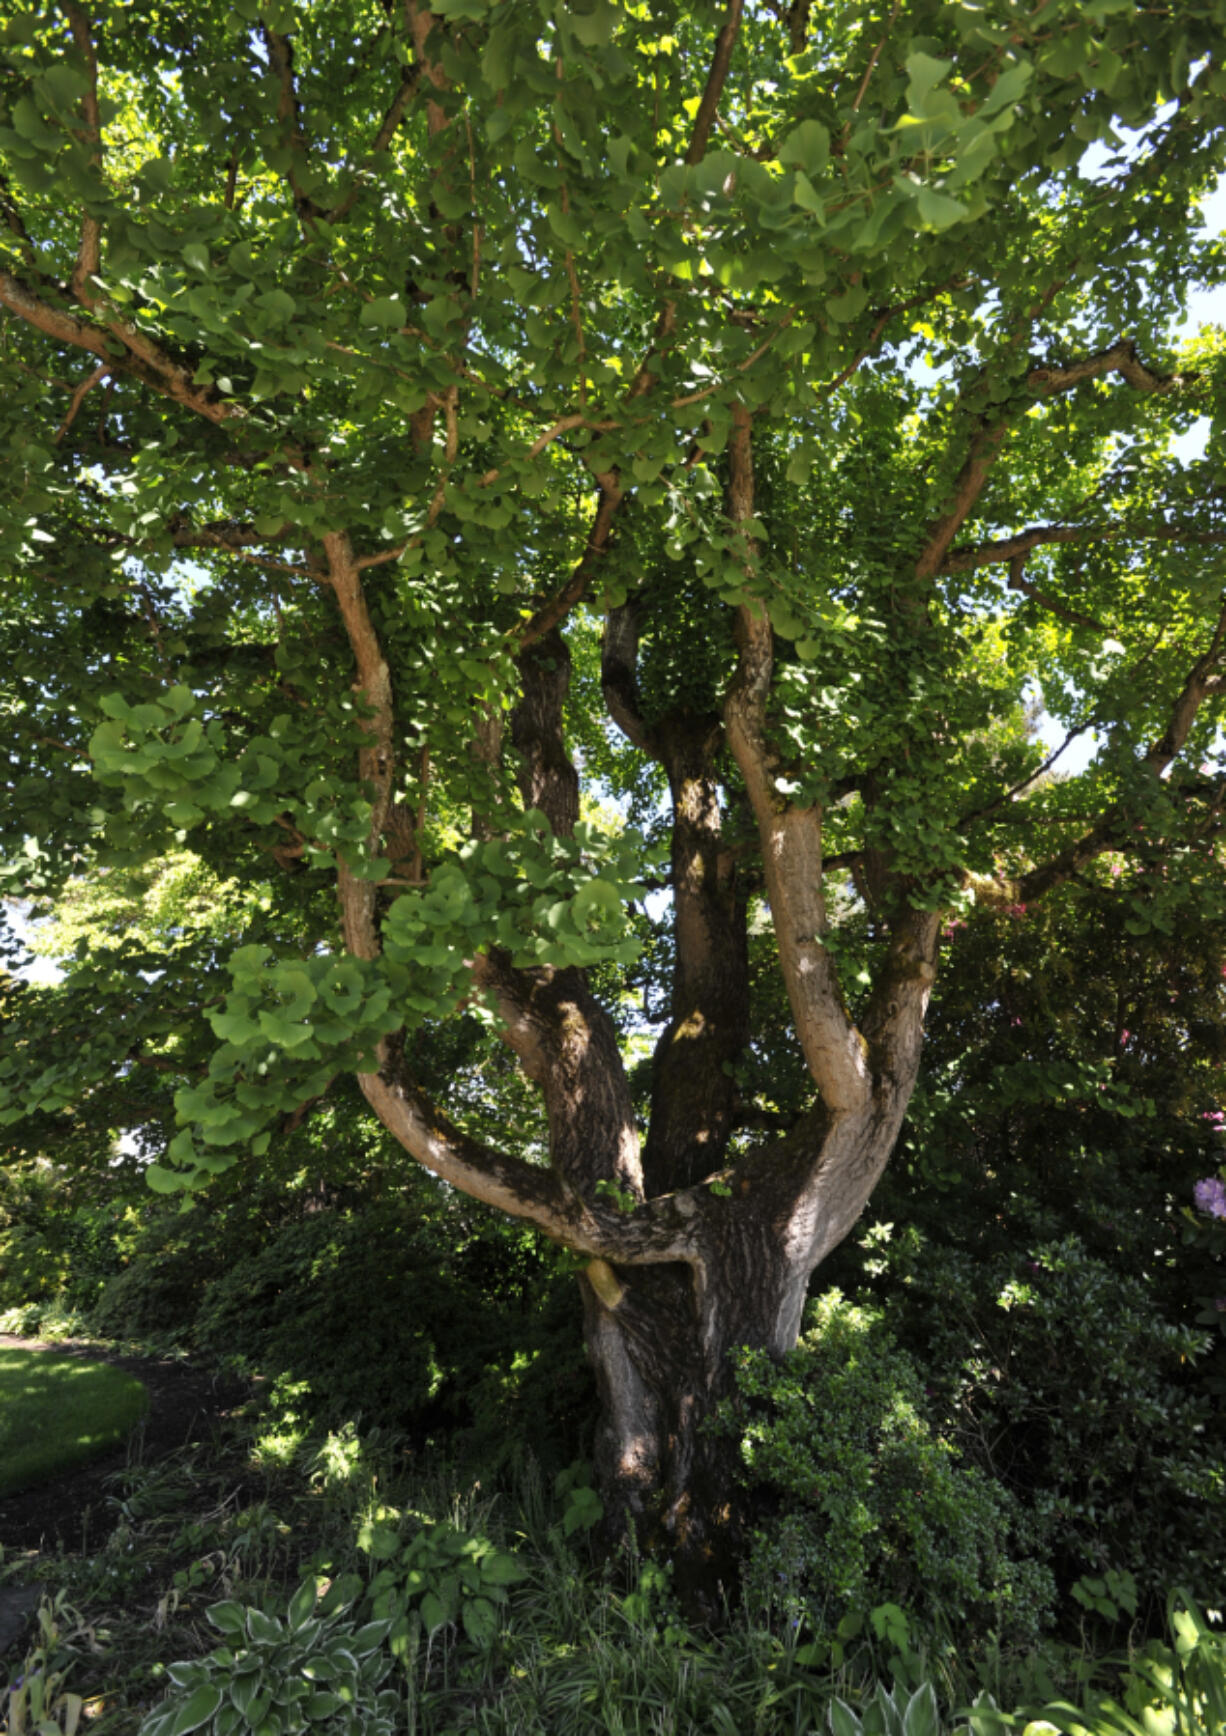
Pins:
x: 186, y: 1404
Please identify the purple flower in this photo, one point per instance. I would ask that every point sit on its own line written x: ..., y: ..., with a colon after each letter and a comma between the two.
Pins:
x: 1210, y: 1196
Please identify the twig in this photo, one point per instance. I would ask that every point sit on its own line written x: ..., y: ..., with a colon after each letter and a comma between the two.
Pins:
x: 78, y: 398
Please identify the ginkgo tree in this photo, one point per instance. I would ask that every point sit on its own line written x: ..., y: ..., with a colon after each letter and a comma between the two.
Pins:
x: 503, y: 475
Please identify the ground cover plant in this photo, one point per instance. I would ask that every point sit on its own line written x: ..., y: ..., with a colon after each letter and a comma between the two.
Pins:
x: 57, y: 1412
x: 243, y: 1585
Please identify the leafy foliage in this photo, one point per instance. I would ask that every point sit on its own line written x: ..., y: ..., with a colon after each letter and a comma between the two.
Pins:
x: 873, y: 1505
x: 1063, y: 1382
x: 783, y: 378
x: 309, y: 1669
x: 440, y: 1575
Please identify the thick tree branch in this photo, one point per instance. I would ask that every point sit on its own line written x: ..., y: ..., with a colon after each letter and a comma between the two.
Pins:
x: 797, y: 20
x: 99, y: 374
x: 665, y: 1230
x: 1019, y: 582
x: 410, y: 78
x: 65, y: 328
x: 376, y: 759
x: 422, y: 23
x: 694, y: 1090
x: 1204, y: 680
x: 1009, y: 549
x: 547, y: 779
x: 548, y: 616
x: 146, y: 361
x: 968, y: 485
x: 725, y: 45
x: 893, y: 1022
x: 791, y: 841
x: 619, y: 650
x: 1199, y: 686
x: 289, y: 118
x: 89, y: 252
x: 567, y: 1045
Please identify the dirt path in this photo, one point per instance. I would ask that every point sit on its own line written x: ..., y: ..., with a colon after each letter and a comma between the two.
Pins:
x: 185, y: 1404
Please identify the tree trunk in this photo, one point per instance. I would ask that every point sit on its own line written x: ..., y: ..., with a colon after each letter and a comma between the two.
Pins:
x: 662, y: 1338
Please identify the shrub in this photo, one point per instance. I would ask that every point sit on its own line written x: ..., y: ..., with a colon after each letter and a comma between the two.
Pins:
x: 873, y: 1506
x: 405, y: 1317
x: 1061, y: 1377
x: 170, y: 1263
x: 56, y: 1241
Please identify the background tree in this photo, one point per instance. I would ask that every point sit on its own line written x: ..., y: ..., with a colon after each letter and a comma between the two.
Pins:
x: 358, y: 357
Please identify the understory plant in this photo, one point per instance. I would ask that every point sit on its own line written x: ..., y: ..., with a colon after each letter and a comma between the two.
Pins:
x: 866, y: 1504
x: 279, y: 1676
x: 1066, y: 1381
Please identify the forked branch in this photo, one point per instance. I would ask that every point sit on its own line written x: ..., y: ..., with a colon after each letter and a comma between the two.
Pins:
x: 1043, y: 381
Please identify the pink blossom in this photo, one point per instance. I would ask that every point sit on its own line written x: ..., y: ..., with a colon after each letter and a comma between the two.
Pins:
x: 1117, y: 868
x: 1210, y: 1196
x: 1016, y: 910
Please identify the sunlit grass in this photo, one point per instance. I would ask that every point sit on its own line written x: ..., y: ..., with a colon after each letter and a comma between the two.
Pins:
x: 57, y: 1412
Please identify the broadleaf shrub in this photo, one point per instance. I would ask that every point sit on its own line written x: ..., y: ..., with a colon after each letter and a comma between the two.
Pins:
x: 1064, y: 1379
x: 872, y: 1505
x: 456, y: 1327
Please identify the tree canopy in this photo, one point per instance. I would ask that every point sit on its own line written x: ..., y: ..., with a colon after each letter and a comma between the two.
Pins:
x: 561, y: 511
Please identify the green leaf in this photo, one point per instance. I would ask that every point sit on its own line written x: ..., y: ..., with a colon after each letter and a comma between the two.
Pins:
x: 480, y: 1620
x: 1008, y: 88
x: 302, y: 1604
x: 924, y: 74
x: 499, y: 1568
x: 263, y: 1627
x: 228, y: 1616
x: 387, y: 311
x: 806, y: 147
x: 845, y: 307
x: 196, y: 1710
x: 162, y: 1180
x: 843, y: 1721
x: 922, y: 1717
x: 433, y: 1612
x: 378, y: 1541
x: 938, y: 210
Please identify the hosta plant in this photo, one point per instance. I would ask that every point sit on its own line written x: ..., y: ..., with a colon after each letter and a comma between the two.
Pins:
x: 309, y: 1670
x: 889, y: 1714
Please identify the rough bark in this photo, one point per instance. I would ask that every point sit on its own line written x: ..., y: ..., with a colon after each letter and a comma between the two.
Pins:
x: 694, y: 1092
x: 661, y: 1338
x: 547, y: 779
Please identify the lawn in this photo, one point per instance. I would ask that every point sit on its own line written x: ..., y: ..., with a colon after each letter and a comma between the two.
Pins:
x: 57, y: 1412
